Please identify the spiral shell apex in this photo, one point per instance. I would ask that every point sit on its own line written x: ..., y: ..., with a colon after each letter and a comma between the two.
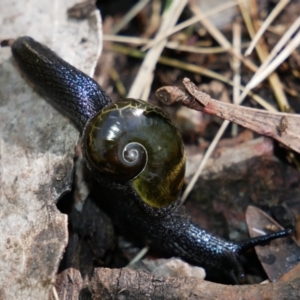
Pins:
x: 137, y: 142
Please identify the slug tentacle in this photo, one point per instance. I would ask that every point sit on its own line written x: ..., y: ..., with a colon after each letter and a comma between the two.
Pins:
x: 135, y: 152
x: 73, y: 92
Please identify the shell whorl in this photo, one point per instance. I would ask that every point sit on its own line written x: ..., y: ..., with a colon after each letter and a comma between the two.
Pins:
x: 137, y: 142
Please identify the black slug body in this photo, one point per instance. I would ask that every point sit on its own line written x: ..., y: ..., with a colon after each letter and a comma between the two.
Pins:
x: 72, y: 91
x: 135, y: 152
x: 173, y: 232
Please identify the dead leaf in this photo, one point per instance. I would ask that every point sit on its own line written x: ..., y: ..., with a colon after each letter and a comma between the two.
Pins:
x: 279, y: 256
x: 282, y: 127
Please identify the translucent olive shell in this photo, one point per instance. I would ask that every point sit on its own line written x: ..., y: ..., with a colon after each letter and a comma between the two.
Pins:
x: 133, y: 140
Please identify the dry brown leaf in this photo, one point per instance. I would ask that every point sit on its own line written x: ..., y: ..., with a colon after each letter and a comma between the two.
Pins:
x: 280, y: 126
x: 281, y: 255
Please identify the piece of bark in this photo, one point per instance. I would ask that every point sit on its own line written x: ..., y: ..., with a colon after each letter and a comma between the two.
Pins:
x: 128, y: 284
x: 68, y: 285
x: 36, y: 149
x: 226, y: 157
x: 173, y: 267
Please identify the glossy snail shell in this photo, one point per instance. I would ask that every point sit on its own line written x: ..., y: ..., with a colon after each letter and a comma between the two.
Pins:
x: 133, y: 140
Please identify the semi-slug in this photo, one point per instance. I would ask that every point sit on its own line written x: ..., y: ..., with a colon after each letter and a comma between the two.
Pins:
x: 135, y: 152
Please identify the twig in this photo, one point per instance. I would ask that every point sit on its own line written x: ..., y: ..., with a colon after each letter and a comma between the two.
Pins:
x: 129, y: 284
x: 118, y: 83
x: 262, y: 52
x: 153, y: 55
x: 171, y: 45
x: 294, y: 43
x: 236, y: 66
x: 210, y: 27
x: 139, y: 256
x: 130, y: 15
x: 281, y: 43
x: 219, y: 36
x: 54, y: 293
x: 275, y: 12
x: 190, y: 22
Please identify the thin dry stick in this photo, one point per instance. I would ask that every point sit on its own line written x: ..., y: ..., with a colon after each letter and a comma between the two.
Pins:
x: 154, y: 18
x: 204, y: 160
x: 125, y: 39
x: 281, y: 43
x: 293, y: 44
x: 55, y: 293
x: 210, y: 27
x: 130, y: 15
x: 139, y: 256
x: 219, y: 37
x: 194, y: 69
x: 275, y: 12
x: 171, y: 45
x: 262, y: 52
x: 190, y: 22
x: 114, y: 75
x: 147, y: 88
x: 236, y: 66
x: 149, y: 63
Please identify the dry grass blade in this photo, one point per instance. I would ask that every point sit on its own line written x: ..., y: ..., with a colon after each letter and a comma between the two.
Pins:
x: 219, y: 37
x: 190, y: 22
x: 130, y: 15
x: 210, y: 27
x: 171, y: 45
x: 262, y: 52
x: 117, y: 82
x: 55, y: 295
x: 149, y: 63
x: 236, y: 66
x: 281, y: 43
x: 193, y: 69
x: 275, y: 12
x: 286, y: 52
x: 203, y: 162
x: 139, y: 256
